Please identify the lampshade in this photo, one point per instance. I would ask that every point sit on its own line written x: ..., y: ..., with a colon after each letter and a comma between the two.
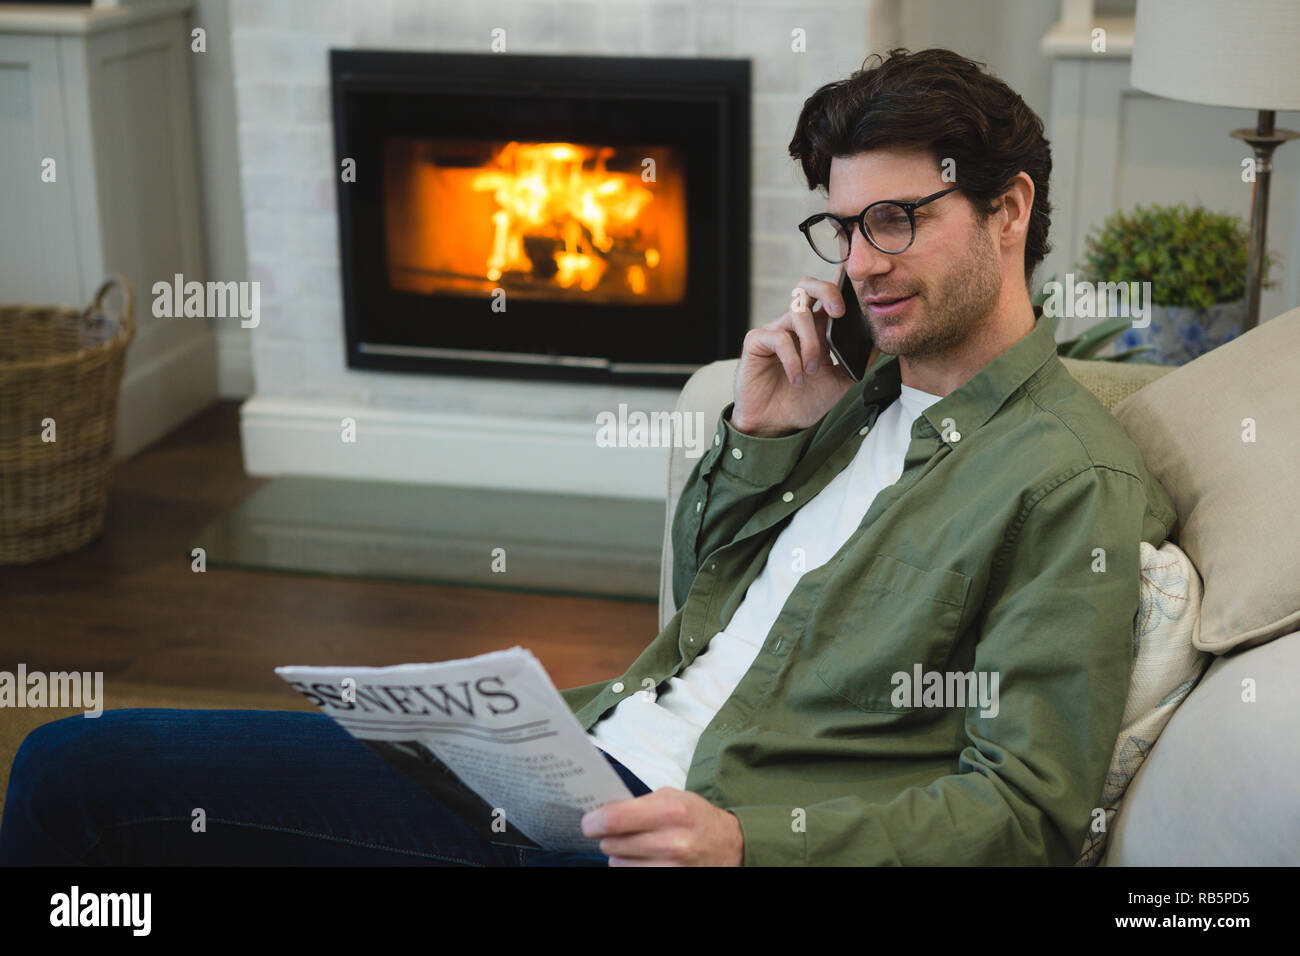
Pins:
x: 1243, y: 53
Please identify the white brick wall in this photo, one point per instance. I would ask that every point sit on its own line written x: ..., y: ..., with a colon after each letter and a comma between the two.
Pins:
x: 287, y: 167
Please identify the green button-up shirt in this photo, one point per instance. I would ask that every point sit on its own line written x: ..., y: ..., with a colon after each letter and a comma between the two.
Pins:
x: 1009, y: 547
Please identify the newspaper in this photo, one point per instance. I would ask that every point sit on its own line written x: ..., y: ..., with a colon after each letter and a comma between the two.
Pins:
x: 522, y: 770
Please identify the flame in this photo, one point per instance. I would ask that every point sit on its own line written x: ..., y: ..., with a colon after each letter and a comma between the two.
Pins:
x: 545, y: 189
x: 591, y: 223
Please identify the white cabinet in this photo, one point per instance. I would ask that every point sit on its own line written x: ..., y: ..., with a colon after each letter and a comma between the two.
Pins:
x: 99, y: 100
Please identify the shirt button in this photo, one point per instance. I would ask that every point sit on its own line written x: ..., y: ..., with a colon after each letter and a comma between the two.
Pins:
x: 618, y: 687
x: 713, y: 565
x: 955, y: 437
x: 788, y: 496
x: 864, y: 429
x: 717, y: 439
x: 690, y: 639
x: 735, y: 453
x: 698, y: 506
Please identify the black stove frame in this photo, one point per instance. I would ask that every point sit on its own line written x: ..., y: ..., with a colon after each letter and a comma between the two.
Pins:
x: 700, y: 106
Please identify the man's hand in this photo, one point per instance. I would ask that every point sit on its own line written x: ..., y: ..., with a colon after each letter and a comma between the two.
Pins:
x: 785, y: 380
x: 668, y: 827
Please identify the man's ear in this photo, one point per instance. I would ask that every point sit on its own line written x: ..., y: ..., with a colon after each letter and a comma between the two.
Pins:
x: 1017, y: 204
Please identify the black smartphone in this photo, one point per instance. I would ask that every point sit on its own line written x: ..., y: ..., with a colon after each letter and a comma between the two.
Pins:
x: 848, y: 336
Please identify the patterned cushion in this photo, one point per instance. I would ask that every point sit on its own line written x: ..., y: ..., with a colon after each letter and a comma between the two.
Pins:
x: 1166, y: 666
x: 1112, y: 382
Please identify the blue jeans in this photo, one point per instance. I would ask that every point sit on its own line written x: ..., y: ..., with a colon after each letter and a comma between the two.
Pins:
x: 276, y: 787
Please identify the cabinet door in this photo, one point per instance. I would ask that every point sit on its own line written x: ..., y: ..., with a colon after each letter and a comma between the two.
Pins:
x: 38, y: 248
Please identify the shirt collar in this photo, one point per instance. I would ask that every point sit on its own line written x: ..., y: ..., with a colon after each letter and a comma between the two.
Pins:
x: 977, y: 400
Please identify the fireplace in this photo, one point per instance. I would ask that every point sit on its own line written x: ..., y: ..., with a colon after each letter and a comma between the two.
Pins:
x: 569, y: 218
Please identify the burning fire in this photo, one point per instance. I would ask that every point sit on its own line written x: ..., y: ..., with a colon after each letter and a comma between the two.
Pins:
x: 549, y: 220
x: 544, y: 189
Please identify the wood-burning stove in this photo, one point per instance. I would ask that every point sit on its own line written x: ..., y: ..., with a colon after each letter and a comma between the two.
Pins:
x: 575, y: 218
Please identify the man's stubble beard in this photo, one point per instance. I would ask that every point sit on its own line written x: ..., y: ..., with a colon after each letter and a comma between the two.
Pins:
x: 965, y: 297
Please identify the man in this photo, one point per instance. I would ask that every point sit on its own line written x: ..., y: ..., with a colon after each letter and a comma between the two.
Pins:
x: 967, y: 516
x: 968, y: 511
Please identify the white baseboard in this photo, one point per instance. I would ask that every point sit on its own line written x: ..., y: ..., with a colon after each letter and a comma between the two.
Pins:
x: 234, y: 366
x: 284, y: 436
x: 170, y: 389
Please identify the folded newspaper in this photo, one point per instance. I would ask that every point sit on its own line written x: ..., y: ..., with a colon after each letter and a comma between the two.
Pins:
x: 488, y: 736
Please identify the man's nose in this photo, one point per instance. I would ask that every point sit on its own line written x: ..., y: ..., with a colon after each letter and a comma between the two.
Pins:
x: 865, y: 260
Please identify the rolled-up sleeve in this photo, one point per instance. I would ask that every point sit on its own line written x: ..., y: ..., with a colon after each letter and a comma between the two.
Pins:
x: 727, y: 485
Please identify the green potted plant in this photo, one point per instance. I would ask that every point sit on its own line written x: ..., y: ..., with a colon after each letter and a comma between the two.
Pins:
x: 1195, y: 262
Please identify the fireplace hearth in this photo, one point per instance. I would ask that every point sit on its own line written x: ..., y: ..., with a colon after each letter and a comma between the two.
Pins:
x: 564, y: 218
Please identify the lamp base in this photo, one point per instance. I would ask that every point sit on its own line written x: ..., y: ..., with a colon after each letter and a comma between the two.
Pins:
x: 1263, y: 140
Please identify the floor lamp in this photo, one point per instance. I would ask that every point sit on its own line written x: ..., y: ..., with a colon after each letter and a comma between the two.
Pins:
x: 1243, y: 53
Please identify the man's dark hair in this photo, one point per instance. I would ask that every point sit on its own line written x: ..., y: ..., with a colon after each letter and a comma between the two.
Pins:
x: 940, y: 101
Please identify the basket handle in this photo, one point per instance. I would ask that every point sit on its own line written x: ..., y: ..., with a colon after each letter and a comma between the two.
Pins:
x: 126, y: 318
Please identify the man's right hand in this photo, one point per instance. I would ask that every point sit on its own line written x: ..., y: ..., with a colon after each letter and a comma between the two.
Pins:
x: 786, y: 381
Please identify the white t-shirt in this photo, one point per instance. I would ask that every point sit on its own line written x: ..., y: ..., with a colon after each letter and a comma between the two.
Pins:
x: 655, y: 737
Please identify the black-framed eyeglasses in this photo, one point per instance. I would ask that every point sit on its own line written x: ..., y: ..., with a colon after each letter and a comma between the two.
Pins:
x: 889, y: 225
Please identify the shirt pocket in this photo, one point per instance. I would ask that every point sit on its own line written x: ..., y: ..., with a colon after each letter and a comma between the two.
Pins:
x: 897, y: 616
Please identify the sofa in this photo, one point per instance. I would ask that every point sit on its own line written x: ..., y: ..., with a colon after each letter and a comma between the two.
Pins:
x: 1220, y: 784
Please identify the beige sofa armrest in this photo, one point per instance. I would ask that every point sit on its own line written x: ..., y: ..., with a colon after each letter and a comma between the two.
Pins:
x: 708, y: 390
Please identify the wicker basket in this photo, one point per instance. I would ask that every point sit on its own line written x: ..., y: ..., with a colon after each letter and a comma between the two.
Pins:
x: 61, y: 364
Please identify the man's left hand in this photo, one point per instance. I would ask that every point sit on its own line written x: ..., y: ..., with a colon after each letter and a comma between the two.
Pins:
x: 668, y: 827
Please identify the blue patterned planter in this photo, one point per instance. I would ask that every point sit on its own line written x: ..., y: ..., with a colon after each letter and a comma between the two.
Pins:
x: 1182, y: 333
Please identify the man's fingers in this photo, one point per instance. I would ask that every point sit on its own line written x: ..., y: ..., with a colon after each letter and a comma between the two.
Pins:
x: 810, y: 340
x: 806, y: 324
x: 779, y: 342
x: 826, y: 293
x: 669, y: 825
x: 673, y: 845
x: 651, y: 811
x: 631, y: 861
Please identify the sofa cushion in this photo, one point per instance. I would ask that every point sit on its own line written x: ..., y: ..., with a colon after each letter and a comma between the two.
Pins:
x: 1165, y: 669
x: 1220, y: 435
x: 1222, y: 787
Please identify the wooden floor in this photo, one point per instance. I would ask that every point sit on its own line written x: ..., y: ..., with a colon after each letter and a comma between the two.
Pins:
x: 129, y: 605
